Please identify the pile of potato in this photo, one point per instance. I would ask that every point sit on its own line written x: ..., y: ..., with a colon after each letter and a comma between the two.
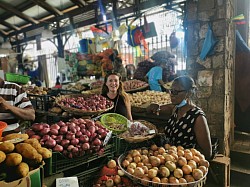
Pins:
x: 165, y: 165
x: 17, y: 159
x: 36, y: 90
x: 149, y: 96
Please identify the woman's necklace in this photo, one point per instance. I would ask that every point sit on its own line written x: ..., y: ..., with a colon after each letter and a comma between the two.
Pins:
x: 111, y: 96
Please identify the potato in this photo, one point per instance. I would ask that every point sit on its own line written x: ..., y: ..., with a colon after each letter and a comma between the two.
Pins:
x: 38, y: 158
x: 15, y: 135
x: 7, y: 147
x: 2, y: 156
x: 13, y: 159
x: 45, y: 152
x: 26, y: 150
x: 22, y: 169
x: 34, y: 143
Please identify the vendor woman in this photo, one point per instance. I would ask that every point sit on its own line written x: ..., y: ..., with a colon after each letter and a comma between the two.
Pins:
x: 14, y: 106
x: 188, y: 124
x: 113, y: 90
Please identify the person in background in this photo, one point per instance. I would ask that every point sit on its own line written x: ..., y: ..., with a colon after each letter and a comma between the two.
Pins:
x: 187, y: 125
x: 113, y: 89
x: 58, y: 84
x: 154, y: 76
x: 14, y: 106
x: 36, y: 81
x: 119, y: 68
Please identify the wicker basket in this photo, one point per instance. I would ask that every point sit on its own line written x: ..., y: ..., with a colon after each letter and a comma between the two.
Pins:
x: 140, y: 138
x: 77, y: 111
x: 198, y: 183
x: 120, y: 121
x: 138, y: 89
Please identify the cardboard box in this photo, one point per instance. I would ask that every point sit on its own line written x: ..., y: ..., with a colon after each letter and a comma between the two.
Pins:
x: 34, y: 179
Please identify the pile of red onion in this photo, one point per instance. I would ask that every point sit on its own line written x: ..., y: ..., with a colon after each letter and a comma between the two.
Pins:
x: 74, y: 138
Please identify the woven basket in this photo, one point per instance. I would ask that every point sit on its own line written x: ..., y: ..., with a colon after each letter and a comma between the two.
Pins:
x: 77, y: 111
x: 118, y: 119
x: 140, y: 138
x: 141, y: 108
x: 138, y: 89
x: 198, y: 183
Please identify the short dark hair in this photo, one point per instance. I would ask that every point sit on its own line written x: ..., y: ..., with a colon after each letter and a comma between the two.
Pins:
x: 186, y: 81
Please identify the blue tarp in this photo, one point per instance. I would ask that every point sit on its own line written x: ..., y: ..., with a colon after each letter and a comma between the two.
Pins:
x: 241, y: 45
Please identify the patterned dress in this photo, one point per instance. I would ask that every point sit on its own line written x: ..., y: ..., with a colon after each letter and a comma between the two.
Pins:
x: 181, y: 132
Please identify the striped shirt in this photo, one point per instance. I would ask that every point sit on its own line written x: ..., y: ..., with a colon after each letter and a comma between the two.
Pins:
x: 14, y: 95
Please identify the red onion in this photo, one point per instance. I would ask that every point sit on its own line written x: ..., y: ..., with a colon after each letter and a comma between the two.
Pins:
x: 54, y: 131
x: 58, y: 148
x: 63, y: 130
x: 84, y: 139
x: 37, y: 127
x: 50, y: 143
x: 44, y: 131
x: 74, y: 141
x: 97, y: 142
x: 85, y: 146
x: 36, y: 136
x: 55, y: 126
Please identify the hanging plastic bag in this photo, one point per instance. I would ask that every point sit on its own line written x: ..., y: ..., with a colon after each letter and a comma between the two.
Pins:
x: 209, y: 44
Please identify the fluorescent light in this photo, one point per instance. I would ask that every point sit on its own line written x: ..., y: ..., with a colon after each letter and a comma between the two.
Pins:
x: 6, y: 45
x: 46, y: 34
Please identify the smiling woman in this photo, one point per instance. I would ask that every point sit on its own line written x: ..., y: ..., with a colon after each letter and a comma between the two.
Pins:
x: 113, y: 90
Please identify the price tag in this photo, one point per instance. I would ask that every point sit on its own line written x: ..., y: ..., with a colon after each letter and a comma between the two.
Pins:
x: 107, y: 138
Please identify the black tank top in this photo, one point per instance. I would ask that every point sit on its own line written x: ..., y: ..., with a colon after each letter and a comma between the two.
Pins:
x: 119, y: 105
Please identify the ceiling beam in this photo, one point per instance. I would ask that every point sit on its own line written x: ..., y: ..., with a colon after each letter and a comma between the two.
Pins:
x: 79, y: 3
x: 143, y: 6
x: 22, y: 7
x: 18, y: 13
x: 47, y: 7
x: 11, y: 26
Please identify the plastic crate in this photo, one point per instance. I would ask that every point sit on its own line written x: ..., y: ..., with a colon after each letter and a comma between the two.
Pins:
x: 90, y: 172
x: 61, y: 163
x: 17, y: 78
x: 40, y: 102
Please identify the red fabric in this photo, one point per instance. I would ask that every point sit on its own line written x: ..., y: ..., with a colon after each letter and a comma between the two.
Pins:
x: 108, y: 171
x: 58, y: 86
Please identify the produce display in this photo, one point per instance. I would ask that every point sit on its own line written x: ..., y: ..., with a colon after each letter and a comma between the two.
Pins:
x: 95, y: 102
x: 96, y: 84
x: 111, y: 175
x: 78, y: 86
x: 149, y: 96
x: 92, y: 91
x: 134, y: 84
x: 19, y: 155
x: 74, y: 138
x: 35, y: 90
x: 164, y: 165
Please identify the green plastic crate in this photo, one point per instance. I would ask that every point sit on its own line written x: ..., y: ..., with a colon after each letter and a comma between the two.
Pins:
x: 17, y: 78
